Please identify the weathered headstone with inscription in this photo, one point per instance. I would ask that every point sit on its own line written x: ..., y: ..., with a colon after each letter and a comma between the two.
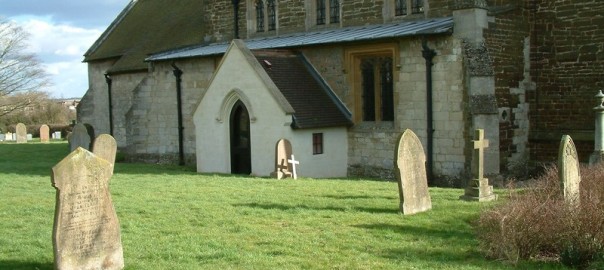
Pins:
x: 44, y: 133
x: 105, y: 147
x: 86, y: 231
x: 283, y: 150
x: 410, y: 161
x: 21, y: 131
x: 478, y: 188
x: 79, y: 138
x: 568, y: 170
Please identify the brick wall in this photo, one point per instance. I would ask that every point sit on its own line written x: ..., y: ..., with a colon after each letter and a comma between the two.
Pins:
x: 567, y: 59
x: 507, y: 38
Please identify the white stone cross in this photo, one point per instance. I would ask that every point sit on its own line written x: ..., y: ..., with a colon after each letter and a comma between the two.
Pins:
x: 478, y: 155
x: 294, y: 162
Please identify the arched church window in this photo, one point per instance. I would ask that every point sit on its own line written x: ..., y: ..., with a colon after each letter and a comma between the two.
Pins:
x: 272, y: 15
x: 260, y: 15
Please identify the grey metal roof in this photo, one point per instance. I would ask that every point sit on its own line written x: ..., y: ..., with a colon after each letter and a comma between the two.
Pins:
x: 349, y: 34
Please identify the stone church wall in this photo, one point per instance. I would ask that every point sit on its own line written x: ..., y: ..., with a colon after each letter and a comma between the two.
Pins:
x: 121, y: 95
x: 567, y: 63
x: 94, y: 106
x: 371, y: 145
x: 152, y: 121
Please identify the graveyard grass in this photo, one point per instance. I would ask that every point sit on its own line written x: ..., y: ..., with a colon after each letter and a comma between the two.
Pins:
x: 173, y: 218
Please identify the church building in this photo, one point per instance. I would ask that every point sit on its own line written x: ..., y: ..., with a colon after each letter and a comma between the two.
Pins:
x: 217, y: 83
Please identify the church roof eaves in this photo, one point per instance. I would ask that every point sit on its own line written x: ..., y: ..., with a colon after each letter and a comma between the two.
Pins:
x: 330, y: 36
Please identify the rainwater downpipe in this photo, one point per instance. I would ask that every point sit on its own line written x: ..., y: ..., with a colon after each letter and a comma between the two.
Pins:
x: 236, y: 22
x: 178, y: 75
x: 109, y: 82
x: 429, y: 54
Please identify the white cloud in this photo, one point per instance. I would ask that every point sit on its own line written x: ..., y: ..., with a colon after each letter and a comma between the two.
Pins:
x: 60, y: 48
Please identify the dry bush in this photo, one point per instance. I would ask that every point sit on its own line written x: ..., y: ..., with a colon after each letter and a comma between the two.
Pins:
x: 536, y: 223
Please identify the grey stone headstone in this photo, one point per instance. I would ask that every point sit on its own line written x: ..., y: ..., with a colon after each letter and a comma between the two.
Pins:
x: 86, y: 231
x: 57, y: 135
x: 21, y: 133
x: 568, y: 170
x: 30, y: 137
x: 411, y: 175
x: 44, y: 133
x: 2, y: 137
x: 283, y: 150
x: 79, y: 138
x: 9, y: 136
x: 105, y: 147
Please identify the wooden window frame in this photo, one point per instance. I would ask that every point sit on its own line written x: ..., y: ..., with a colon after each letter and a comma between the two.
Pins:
x: 352, y: 59
x: 317, y: 144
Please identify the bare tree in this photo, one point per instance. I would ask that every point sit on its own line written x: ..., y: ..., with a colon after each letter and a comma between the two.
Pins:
x: 20, y: 72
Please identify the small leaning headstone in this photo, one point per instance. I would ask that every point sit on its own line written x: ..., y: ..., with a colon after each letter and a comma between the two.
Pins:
x: 86, y: 231
x: 79, y: 138
x: 568, y: 170
x: 478, y: 188
x: 410, y: 161
x: 283, y: 149
x: 21, y: 131
x: 105, y: 147
x: 44, y: 134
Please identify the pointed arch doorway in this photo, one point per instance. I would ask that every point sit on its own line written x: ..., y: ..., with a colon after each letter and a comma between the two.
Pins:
x: 241, y: 154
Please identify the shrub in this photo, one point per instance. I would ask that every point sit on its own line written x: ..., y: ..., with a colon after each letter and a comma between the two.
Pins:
x: 536, y: 223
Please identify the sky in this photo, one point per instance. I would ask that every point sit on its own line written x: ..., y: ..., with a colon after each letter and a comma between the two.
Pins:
x: 61, y: 31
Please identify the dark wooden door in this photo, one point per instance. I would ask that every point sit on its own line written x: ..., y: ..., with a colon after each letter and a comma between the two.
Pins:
x: 241, y: 154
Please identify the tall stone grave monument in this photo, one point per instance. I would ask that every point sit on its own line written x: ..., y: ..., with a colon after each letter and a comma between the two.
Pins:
x: 568, y: 170
x: 79, y: 137
x: 21, y: 131
x: 598, y: 153
x: 478, y: 188
x: 86, y: 231
x: 410, y: 161
x: 283, y: 150
x: 44, y: 133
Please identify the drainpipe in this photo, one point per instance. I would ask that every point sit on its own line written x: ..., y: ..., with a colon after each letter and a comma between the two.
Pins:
x: 178, y: 75
x: 236, y: 23
x: 109, y: 81
x: 429, y: 54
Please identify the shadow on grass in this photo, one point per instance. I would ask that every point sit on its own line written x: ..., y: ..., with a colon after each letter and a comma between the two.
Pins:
x: 282, y: 207
x: 19, y: 265
x: 418, y: 231
x: 355, y: 197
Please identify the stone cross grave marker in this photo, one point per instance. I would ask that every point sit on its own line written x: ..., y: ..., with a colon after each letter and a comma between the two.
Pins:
x: 44, y: 133
x: 79, y: 138
x: 410, y: 160
x: 105, y: 147
x: 478, y: 188
x: 283, y: 149
x: 21, y: 133
x: 86, y: 231
x: 568, y: 170
x: 294, y: 162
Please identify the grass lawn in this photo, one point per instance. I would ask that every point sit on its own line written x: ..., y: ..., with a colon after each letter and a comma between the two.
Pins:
x: 173, y: 218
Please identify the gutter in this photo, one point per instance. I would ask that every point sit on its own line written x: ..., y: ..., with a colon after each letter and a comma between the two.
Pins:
x: 109, y: 82
x: 429, y: 54
x: 178, y: 74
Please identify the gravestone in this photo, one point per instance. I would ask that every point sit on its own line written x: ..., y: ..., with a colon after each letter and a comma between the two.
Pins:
x: 79, y: 138
x: 478, y: 188
x: 86, y: 231
x: 294, y: 162
x: 56, y: 135
x: 105, y: 147
x: 2, y: 137
x: 410, y: 162
x: 568, y: 170
x: 283, y: 149
x: 9, y: 136
x: 598, y: 154
x: 30, y: 136
x: 21, y: 131
x: 44, y: 134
